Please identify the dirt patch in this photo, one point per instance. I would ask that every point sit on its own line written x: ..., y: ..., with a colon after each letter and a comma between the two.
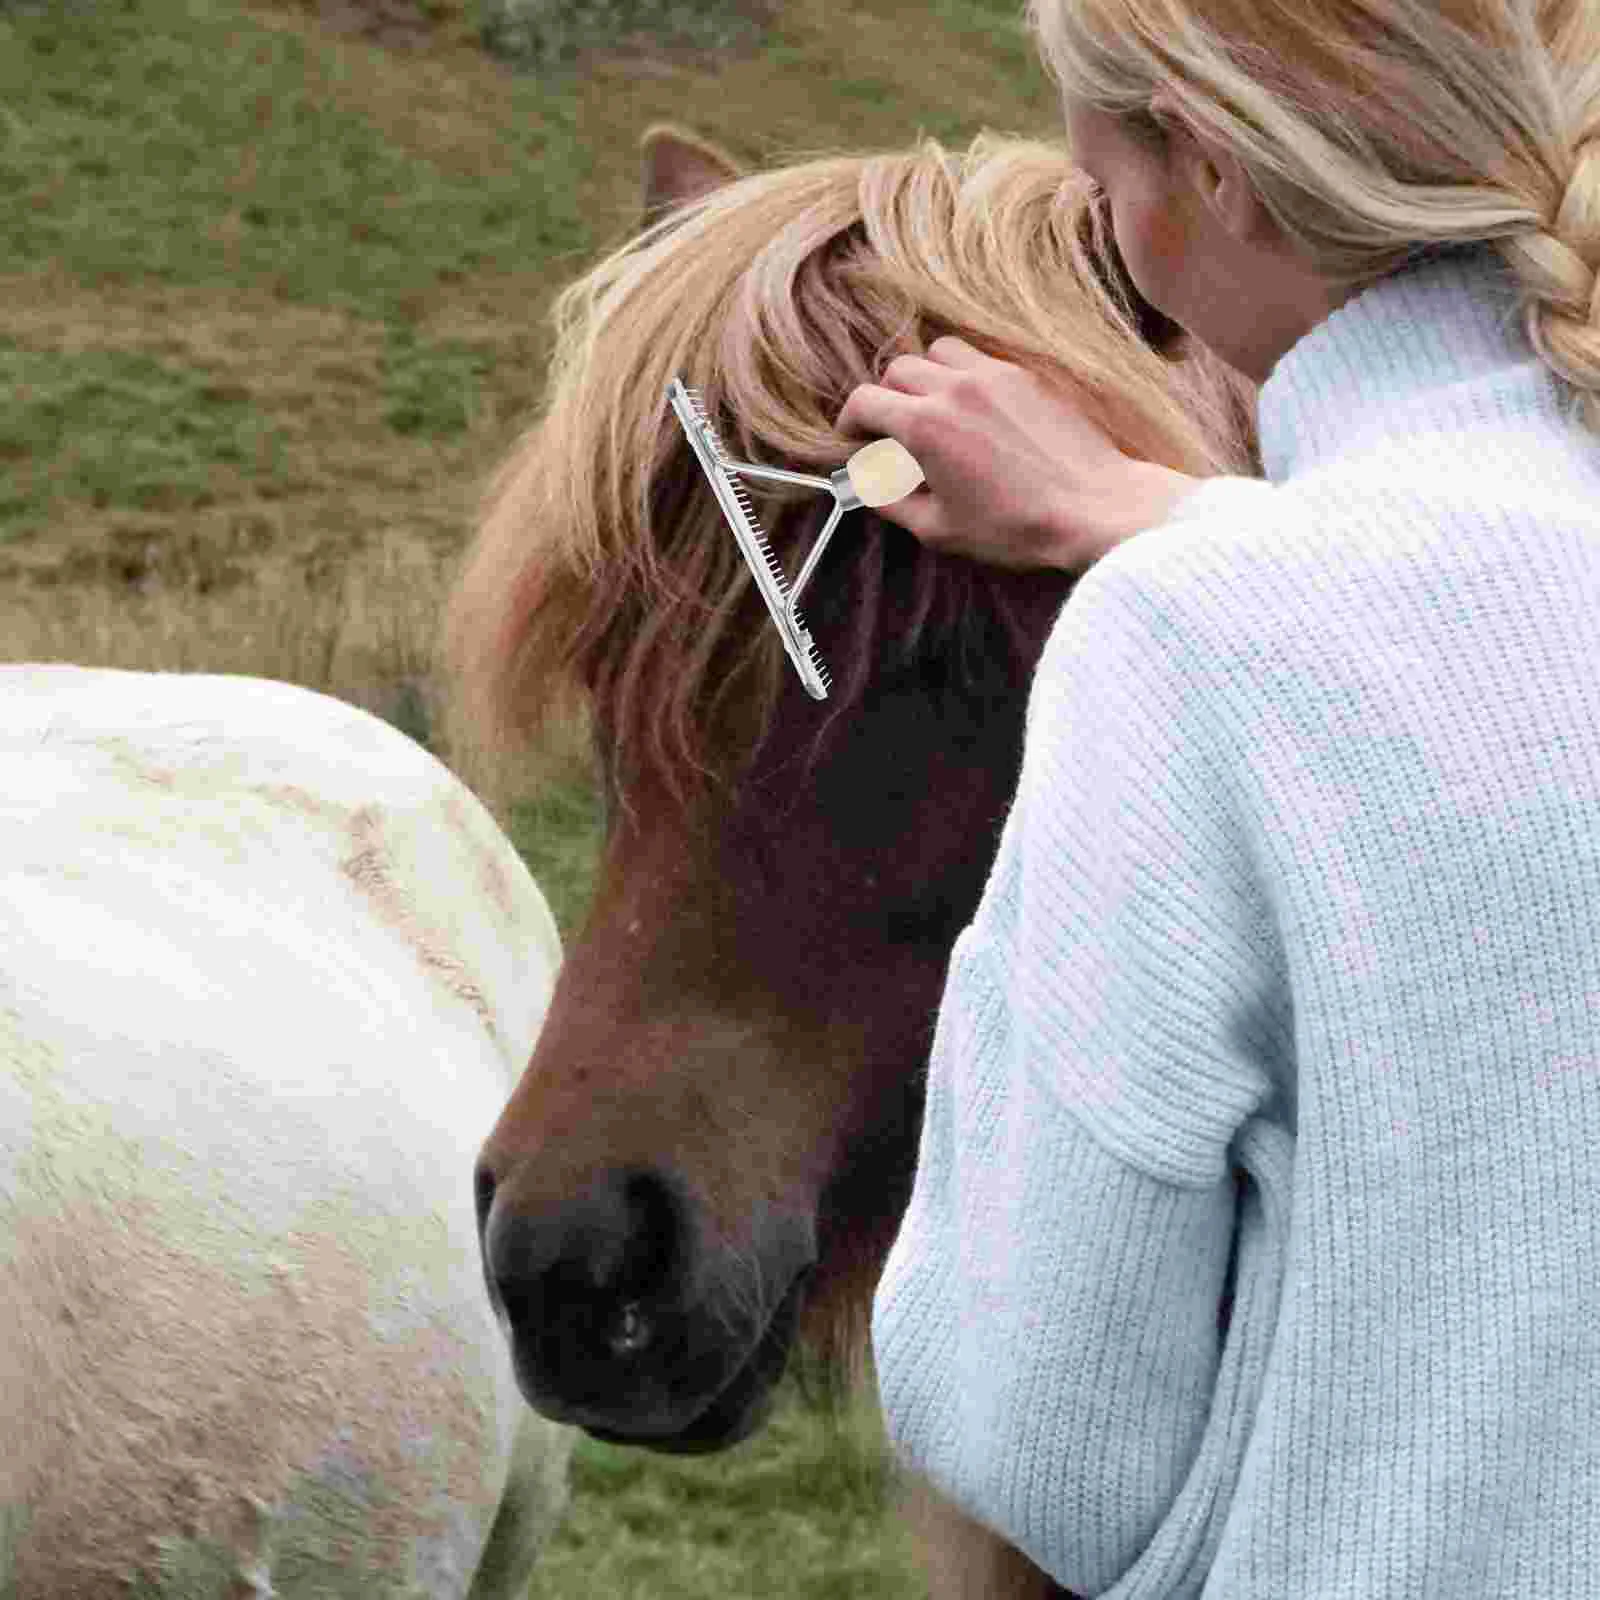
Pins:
x: 400, y: 24
x: 386, y: 22
x: 648, y: 35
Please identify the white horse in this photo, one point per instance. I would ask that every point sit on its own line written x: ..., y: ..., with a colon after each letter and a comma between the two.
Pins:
x: 267, y: 971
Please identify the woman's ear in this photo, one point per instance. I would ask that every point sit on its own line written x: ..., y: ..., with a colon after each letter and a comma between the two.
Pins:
x: 1214, y: 174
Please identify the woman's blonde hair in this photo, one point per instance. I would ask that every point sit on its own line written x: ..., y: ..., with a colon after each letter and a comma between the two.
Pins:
x: 1377, y: 130
x: 602, y: 571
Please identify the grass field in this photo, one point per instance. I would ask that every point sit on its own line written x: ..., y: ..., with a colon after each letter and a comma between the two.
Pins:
x: 272, y: 284
x: 798, y: 1513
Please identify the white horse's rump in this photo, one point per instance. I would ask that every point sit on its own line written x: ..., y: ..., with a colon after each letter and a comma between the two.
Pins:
x: 267, y: 972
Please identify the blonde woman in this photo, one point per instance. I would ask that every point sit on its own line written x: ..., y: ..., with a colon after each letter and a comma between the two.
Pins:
x: 1255, y: 1245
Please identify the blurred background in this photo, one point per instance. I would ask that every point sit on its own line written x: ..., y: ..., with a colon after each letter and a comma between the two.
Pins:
x: 273, y: 282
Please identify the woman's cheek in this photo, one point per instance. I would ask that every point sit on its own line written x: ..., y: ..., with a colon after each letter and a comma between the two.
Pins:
x: 1151, y: 238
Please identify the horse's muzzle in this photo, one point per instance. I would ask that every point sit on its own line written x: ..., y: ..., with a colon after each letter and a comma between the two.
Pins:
x: 624, y: 1317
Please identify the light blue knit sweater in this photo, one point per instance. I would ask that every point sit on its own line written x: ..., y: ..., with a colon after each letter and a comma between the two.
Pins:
x: 1302, y: 882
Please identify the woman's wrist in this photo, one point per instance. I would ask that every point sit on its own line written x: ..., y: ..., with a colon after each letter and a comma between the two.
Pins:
x: 1165, y: 489
x: 1143, y: 497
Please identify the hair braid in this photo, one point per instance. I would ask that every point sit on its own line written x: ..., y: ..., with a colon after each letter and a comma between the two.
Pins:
x: 1558, y: 269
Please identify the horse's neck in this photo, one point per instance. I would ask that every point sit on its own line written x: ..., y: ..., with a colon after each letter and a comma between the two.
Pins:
x: 1034, y: 600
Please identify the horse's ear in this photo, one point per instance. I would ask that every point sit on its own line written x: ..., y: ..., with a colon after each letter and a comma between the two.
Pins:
x: 678, y: 167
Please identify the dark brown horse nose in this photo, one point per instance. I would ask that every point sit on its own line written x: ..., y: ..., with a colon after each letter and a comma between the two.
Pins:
x: 626, y: 1312
x: 582, y: 1283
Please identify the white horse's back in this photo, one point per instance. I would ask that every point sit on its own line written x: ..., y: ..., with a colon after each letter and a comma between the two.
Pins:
x: 267, y: 972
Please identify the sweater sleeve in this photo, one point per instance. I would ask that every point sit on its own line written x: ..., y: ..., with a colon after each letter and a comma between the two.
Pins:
x: 1047, y: 1329
x: 1226, y: 497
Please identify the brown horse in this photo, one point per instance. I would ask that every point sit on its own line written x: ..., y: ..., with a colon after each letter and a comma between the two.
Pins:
x: 713, y: 1144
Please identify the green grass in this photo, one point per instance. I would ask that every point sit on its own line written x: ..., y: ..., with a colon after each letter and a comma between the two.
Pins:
x: 796, y: 1513
x: 557, y: 830
x: 431, y: 387
x: 192, y: 143
x: 121, y: 429
x: 251, y: 270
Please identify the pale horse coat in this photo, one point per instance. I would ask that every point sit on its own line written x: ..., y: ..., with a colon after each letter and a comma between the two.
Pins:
x: 267, y: 972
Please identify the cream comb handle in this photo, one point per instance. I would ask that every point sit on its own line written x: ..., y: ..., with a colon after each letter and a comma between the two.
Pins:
x: 883, y: 472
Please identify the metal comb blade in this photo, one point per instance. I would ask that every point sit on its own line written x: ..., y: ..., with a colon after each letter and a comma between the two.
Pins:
x: 723, y: 474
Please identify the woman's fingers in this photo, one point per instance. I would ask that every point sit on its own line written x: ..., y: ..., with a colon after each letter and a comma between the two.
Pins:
x: 916, y: 375
x: 877, y: 412
x: 1018, y: 472
x: 949, y: 351
x: 871, y: 408
x: 917, y: 513
x: 927, y: 519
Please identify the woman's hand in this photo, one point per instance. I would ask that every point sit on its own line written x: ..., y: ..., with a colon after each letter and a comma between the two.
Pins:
x: 1017, y: 476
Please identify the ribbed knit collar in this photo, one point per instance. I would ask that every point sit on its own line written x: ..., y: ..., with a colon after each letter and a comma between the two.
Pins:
x: 1384, y: 361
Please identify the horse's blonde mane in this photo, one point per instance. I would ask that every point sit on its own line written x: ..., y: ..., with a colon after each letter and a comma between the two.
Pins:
x: 602, y: 572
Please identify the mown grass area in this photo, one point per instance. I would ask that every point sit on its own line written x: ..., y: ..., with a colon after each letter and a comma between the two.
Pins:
x: 273, y: 276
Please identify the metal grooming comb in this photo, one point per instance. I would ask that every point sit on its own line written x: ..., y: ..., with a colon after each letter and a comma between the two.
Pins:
x: 878, y: 474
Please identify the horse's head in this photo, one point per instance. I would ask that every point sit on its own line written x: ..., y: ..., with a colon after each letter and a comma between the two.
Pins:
x: 715, y: 1138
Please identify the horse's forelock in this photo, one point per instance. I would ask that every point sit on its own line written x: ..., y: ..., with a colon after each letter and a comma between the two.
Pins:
x: 603, y: 570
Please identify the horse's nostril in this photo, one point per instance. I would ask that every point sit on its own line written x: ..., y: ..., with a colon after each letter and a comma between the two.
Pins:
x: 631, y: 1333
x: 621, y: 1242
x: 483, y: 1194
x: 655, y: 1238
x: 590, y: 1282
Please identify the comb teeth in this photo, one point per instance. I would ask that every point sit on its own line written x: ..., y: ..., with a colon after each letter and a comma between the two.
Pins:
x: 756, y: 548
x: 741, y: 494
x: 698, y: 402
x: 763, y: 544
